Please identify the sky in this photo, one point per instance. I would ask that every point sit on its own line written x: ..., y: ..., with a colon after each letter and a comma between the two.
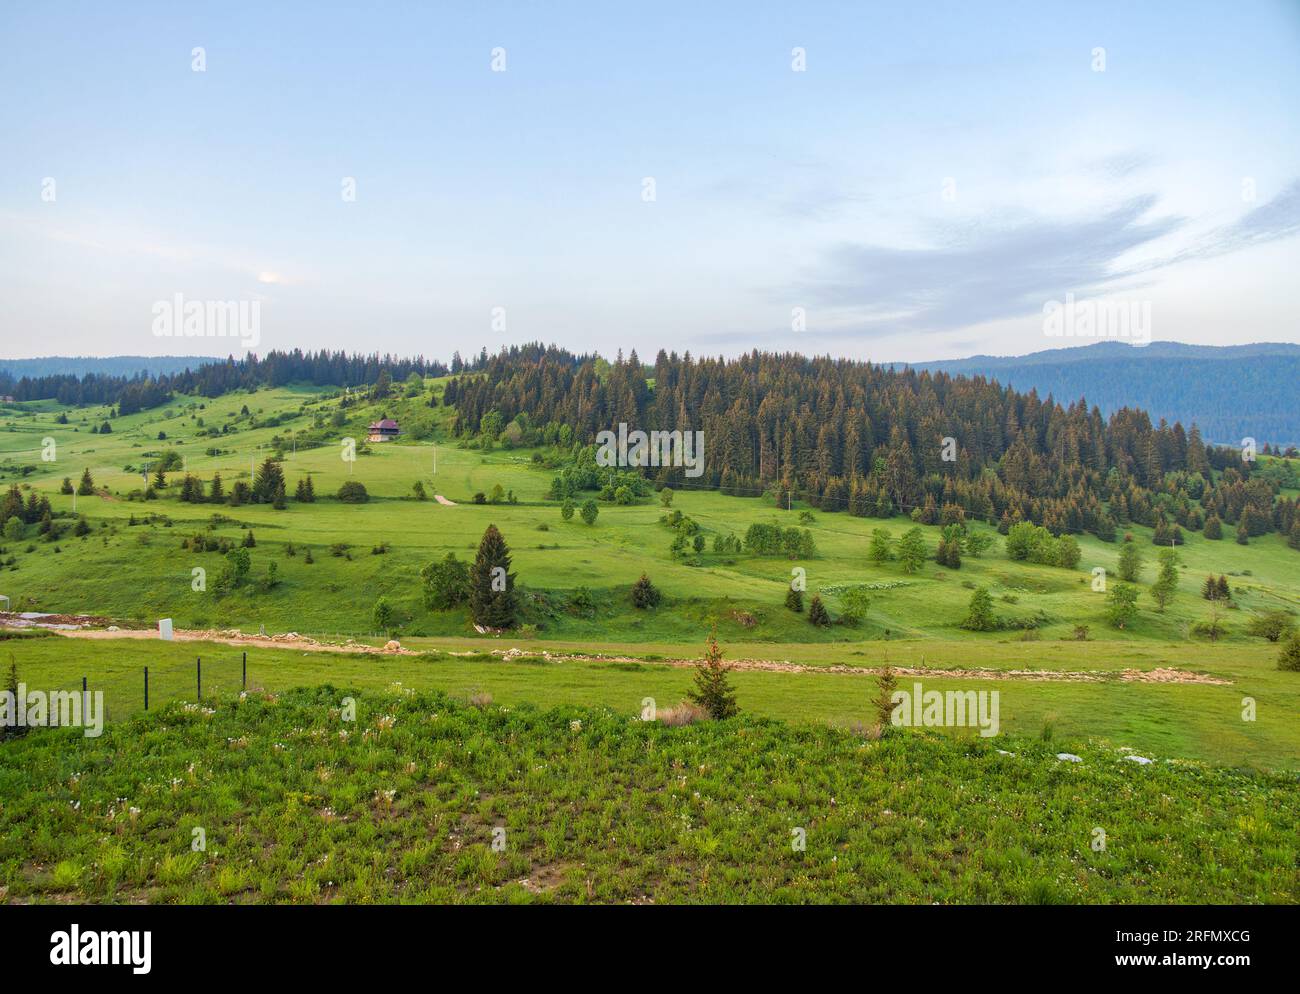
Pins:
x: 887, y: 181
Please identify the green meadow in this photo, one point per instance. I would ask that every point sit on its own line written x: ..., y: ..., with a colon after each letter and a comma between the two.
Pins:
x: 514, y: 767
x: 423, y: 798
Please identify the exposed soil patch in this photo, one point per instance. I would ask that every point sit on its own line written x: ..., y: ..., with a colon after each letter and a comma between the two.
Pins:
x: 89, y: 626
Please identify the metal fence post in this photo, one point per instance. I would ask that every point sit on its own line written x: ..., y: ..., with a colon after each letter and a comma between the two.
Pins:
x: 146, y: 688
x: 198, y: 676
x: 85, y: 701
x: 244, y: 680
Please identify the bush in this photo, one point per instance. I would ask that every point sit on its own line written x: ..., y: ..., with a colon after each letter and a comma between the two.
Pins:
x: 1289, y: 657
x: 382, y: 615
x: 979, y: 615
x: 446, y: 583
x: 794, y: 600
x: 1272, y: 625
x: 353, y: 492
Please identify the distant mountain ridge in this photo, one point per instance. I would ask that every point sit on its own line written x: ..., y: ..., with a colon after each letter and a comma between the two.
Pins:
x: 117, y: 365
x: 1230, y: 391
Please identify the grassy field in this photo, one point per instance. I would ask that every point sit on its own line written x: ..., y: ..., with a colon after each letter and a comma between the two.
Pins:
x: 139, y: 571
x: 1178, y: 721
x: 613, y: 808
x: 279, y: 798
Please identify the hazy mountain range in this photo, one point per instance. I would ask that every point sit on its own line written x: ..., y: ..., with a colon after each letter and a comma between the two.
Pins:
x: 1231, y: 391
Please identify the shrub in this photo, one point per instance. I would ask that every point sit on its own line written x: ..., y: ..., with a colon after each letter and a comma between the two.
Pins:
x: 794, y: 600
x: 979, y: 615
x: 883, y: 702
x: 382, y: 615
x: 353, y: 492
x: 1272, y: 625
x: 1289, y: 657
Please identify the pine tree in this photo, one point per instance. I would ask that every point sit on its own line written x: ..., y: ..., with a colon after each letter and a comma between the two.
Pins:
x: 817, y: 613
x: 911, y: 550
x: 1224, y: 592
x: 794, y: 600
x: 1213, y: 527
x: 883, y: 702
x: 713, y: 691
x: 217, y: 492
x: 492, y: 598
x: 645, y: 594
x: 1243, y: 534
x: 87, y: 485
x: 1209, y: 590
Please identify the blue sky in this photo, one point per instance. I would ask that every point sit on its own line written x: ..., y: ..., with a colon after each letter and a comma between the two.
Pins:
x: 933, y: 178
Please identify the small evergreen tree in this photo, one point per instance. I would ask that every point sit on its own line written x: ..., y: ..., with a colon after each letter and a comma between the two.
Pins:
x: 566, y: 509
x: 794, y: 600
x: 886, y: 684
x: 589, y: 511
x: 817, y: 613
x: 1162, y: 591
x: 645, y: 594
x: 1213, y: 527
x: 713, y: 691
x: 1224, y: 591
x: 87, y: 485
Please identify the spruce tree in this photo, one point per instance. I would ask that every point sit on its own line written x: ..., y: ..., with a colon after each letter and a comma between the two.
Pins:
x: 794, y: 600
x: 713, y: 691
x: 492, y: 598
x: 817, y: 613
x: 883, y: 702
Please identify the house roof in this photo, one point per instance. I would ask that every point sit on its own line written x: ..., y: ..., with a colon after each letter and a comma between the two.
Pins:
x: 386, y: 423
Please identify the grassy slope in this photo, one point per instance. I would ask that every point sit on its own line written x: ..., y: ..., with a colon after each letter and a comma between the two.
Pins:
x: 1178, y: 721
x: 141, y: 572
x: 335, y: 595
x: 613, y: 810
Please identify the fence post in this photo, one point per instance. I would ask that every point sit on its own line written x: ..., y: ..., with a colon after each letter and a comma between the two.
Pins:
x: 146, y: 688
x: 244, y: 680
x: 198, y: 676
x: 85, y: 701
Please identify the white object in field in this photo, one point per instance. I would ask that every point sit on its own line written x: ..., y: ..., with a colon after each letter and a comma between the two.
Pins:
x: 1069, y: 757
x: 165, y: 629
x: 1140, y: 760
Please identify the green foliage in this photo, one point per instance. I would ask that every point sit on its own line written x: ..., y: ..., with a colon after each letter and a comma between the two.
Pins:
x: 773, y: 540
x: 353, y: 492
x: 911, y: 550
x: 589, y: 511
x: 1121, y: 605
x: 1289, y: 657
x: 881, y: 549
x: 713, y: 691
x: 794, y: 600
x: 645, y: 594
x: 492, y: 599
x: 817, y: 613
x: 979, y: 615
x: 445, y: 583
x: 382, y: 615
x: 1130, y: 560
